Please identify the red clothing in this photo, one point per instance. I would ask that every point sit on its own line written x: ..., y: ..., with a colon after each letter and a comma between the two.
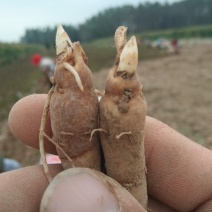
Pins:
x: 36, y: 58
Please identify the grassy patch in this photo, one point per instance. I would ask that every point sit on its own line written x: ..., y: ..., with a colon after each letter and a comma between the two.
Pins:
x: 16, y: 81
x: 18, y: 77
x: 101, y: 53
x: 12, y: 52
x: 203, y: 31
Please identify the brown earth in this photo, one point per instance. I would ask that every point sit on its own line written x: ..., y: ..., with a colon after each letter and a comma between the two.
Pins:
x: 178, y: 89
x: 178, y: 92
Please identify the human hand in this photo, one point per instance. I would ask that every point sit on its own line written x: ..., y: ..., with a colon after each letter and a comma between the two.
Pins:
x: 179, y: 171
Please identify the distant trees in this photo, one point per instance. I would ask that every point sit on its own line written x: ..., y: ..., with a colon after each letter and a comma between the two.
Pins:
x: 46, y: 36
x: 144, y: 17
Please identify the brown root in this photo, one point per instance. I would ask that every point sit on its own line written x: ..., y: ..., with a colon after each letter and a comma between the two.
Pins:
x: 61, y: 149
x: 123, y: 133
x: 97, y: 130
x: 66, y: 133
x: 41, y: 134
x: 76, y: 75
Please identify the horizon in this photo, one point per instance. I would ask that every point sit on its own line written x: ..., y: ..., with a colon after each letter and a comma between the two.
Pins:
x: 17, y: 17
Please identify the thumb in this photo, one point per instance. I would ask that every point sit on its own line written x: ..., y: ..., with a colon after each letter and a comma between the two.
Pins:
x: 83, y: 189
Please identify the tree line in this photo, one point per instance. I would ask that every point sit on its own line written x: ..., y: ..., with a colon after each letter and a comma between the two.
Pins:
x: 145, y: 17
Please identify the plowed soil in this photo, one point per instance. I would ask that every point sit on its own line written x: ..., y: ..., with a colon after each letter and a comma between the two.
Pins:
x: 178, y: 89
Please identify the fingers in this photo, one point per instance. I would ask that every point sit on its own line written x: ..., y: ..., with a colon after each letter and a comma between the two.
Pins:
x: 154, y: 205
x: 179, y: 171
x: 25, y: 118
x: 82, y: 189
x: 22, y: 189
x: 206, y: 206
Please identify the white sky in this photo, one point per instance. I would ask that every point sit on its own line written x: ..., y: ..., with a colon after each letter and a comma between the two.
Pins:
x: 18, y: 15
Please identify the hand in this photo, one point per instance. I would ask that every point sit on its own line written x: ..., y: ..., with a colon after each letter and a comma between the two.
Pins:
x: 179, y: 171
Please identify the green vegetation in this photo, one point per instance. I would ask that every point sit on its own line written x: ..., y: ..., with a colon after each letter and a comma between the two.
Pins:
x: 10, y: 53
x: 204, y: 31
x: 18, y: 77
x: 16, y: 80
x: 101, y: 53
x: 145, y: 17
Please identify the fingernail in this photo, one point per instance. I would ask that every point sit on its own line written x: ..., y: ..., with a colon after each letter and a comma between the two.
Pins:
x: 78, y: 191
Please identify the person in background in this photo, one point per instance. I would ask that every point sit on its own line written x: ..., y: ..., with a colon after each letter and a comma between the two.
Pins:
x: 7, y: 164
x: 174, y: 43
x: 46, y: 64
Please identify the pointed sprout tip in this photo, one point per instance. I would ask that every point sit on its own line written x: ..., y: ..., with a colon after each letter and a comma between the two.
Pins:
x: 129, y: 57
x: 62, y: 40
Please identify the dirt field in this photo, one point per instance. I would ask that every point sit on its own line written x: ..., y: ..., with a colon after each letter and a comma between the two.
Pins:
x: 178, y: 90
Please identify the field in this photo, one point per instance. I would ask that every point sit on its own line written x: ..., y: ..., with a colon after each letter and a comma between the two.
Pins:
x: 18, y: 78
x: 201, y: 31
x: 177, y: 89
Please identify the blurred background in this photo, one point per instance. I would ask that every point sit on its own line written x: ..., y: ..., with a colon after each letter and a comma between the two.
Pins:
x: 175, y: 53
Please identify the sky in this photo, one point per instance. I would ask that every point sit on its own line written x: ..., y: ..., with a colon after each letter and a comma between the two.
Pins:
x: 18, y: 15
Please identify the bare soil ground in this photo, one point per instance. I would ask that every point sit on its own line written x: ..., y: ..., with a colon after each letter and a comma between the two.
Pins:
x: 178, y: 89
